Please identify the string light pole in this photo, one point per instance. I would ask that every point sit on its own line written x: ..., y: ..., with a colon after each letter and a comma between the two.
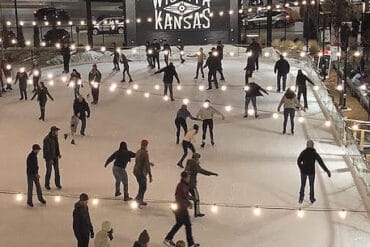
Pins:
x: 89, y: 24
x: 124, y: 13
x: 269, y: 24
x: 345, y: 32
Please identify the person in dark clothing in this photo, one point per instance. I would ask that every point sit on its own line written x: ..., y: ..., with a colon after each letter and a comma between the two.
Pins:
x: 169, y: 73
x: 249, y: 69
x: 66, y: 53
x: 193, y: 168
x: 22, y: 77
x: 82, y: 227
x: 77, y: 82
x: 256, y: 50
x: 36, y: 75
x: 33, y: 175
x: 220, y: 56
x: 149, y: 53
x: 213, y: 63
x: 306, y: 164
x: 52, y: 155
x: 81, y: 109
x: 182, y: 215
x: 143, y: 239
x: 42, y: 97
x: 126, y: 68
x: 2, y: 89
x: 115, y: 60
x: 7, y: 71
x: 301, y: 86
x: 180, y: 121
x: 121, y: 157
x: 201, y: 56
x: 167, y: 52
x: 95, y: 80
x: 282, y: 68
x: 181, y: 50
x: 156, y: 49
x: 252, y: 91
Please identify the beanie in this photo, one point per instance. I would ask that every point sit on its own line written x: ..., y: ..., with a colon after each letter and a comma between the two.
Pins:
x: 196, y: 156
x: 106, y: 226
x: 84, y: 197
x: 144, y: 237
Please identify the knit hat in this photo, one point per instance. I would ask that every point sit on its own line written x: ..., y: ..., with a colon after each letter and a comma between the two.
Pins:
x: 144, y: 237
x: 144, y: 143
x: 94, y: 65
x: 195, y: 156
x: 106, y: 226
x: 36, y: 147
x: 180, y: 243
x: 84, y: 197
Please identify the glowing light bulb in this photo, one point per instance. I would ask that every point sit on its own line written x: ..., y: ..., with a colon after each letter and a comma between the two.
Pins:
x: 275, y: 115
x: 46, y: 23
x: 284, y: 54
x: 29, y: 82
x: 138, y: 20
x: 57, y: 45
x: 316, y: 88
x: 223, y: 87
x: 355, y: 127
x: 118, y: 49
x: 34, y: 23
x: 87, y: 48
x: 28, y: 43
x: 302, y: 54
x: 342, y: 214
x: 214, y: 209
x: 267, y: 54
x: 231, y: 12
x: 251, y: 112
x: 246, y: 88
x: 201, y: 87
x: 292, y: 88
x: 269, y: 88
x: 146, y: 95
x: 70, y: 23
x: 103, y: 49
x: 19, y: 197
x: 72, y: 84
x: 232, y: 54
x: 113, y: 87
x: 257, y: 211
x: 51, y: 83
x: 249, y: 53
x: 73, y: 47
x: 363, y: 87
x: 57, y: 199
x: 339, y: 87
x: 301, y: 119
x: 156, y: 87
x: 50, y: 76
x: 79, y: 82
x: 182, y: 53
x: 221, y: 13
x: 327, y: 123
x: 43, y: 43
x: 228, y: 108
x: 179, y: 87
x: 59, y: 23
x: 8, y: 23
x: 185, y: 101
x: 134, y: 51
x: 8, y: 67
x: 215, y: 53
x: 149, y: 19
x: 135, y: 86
x: 134, y: 205
x: 300, y: 213
x: 95, y: 201
x: 22, y: 69
x: 64, y: 79
x: 8, y: 80
x: 174, y: 206
x: 128, y: 91
x: 82, y: 22
x: 166, y: 98
x: 206, y: 104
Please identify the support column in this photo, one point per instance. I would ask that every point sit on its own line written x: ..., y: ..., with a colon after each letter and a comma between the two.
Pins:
x: 131, y: 22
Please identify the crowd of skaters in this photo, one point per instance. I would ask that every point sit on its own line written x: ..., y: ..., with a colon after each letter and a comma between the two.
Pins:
x: 186, y: 190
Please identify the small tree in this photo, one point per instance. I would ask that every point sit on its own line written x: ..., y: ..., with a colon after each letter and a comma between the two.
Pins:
x: 36, y: 37
x: 20, y: 36
x: 4, y: 35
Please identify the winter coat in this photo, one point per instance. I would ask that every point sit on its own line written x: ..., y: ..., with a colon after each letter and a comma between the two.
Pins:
x: 301, y: 81
x: 32, y: 164
x: 143, y: 239
x: 42, y: 95
x: 75, y: 76
x: 167, y: 47
x: 51, y: 147
x: 169, y: 73
x: 213, y: 63
x: 66, y: 53
x: 156, y: 48
x: 81, y: 109
x: 289, y: 103
x: 306, y: 161
x: 208, y: 113
x: 142, y: 164
x: 125, y: 61
x: 121, y: 157
x: 95, y: 76
x: 254, y: 90
x: 193, y: 168
x: 82, y: 226
x: 182, y: 195
x: 220, y: 50
x: 102, y: 237
x: 22, y: 78
x: 35, y: 70
x: 115, y: 57
x: 255, y: 48
x: 282, y: 67
x: 250, y: 65
x: 184, y: 114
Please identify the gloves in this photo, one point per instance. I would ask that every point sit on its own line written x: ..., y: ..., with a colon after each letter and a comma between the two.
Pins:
x: 329, y: 174
x: 92, y: 234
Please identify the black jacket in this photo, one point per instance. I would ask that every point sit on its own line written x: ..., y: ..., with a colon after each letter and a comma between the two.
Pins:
x: 169, y: 73
x: 66, y: 53
x: 301, y: 80
x: 213, y: 63
x: 220, y: 50
x: 81, y: 108
x: 22, y: 78
x: 254, y: 90
x: 255, y: 48
x: 282, y: 67
x: 82, y: 226
x: 306, y: 161
x: 182, y: 196
x: 32, y: 164
x: 193, y: 168
x: 42, y: 95
x: 51, y: 147
x: 121, y: 157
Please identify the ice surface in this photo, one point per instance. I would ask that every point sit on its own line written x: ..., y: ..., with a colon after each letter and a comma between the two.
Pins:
x: 256, y: 166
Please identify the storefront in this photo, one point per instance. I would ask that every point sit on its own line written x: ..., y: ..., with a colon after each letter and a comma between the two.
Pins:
x: 187, y: 21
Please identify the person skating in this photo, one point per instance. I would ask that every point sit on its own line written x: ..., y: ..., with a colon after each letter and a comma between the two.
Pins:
x: 115, y: 59
x: 2, y: 89
x: 290, y: 102
x: 306, y: 163
x: 33, y: 176
x: 36, y: 75
x: 206, y: 114
x: 81, y: 109
x: 213, y: 64
x: 193, y: 168
x: 183, y: 198
x: 75, y: 78
x: 301, y: 86
x: 167, y: 52
x: 252, y: 91
x: 256, y: 50
x: 169, y: 74
x: 156, y: 49
x: 181, y: 50
x: 51, y: 153
x: 121, y: 157
x: 94, y: 80
x: 82, y: 226
x: 220, y: 56
x: 126, y: 68
x: 149, y: 53
x: 180, y: 121
x: 73, y: 126
x: 187, y: 143
x: 143, y: 239
x: 66, y: 53
x: 249, y: 69
x: 42, y: 97
x: 104, y: 236
x: 282, y: 68
x: 142, y: 169
x: 22, y: 78
x: 201, y: 56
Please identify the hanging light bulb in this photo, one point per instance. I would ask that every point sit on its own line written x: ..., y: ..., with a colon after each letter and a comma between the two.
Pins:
x: 257, y: 211
x: 156, y: 87
x: 57, y: 199
x: 174, y: 206
x: 146, y: 95
x: 275, y: 115
x: 57, y: 45
x: 363, y: 87
x: 72, y: 84
x: 251, y: 112
x: 206, y: 104
x: 302, y: 54
x: 185, y: 101
x: 232, y: 53
x: 342, y: 214
x: 284, y: 54
x: 223, y: 87
x: 292, y: 88
x: 113, y: 87
x: 8, y: 67
x: 269, y: 88
x: 50, y: 76
x: 28, y: 43
x: 228, y: 108
x: 73, y: 47
x: 134, y: 204
x: 103, y: 49
x: 246, y: 88
x: 301, y: 119
x: 95, y: 201
x: 300, y: 213
x: 9, y: 80
x: 179, y: 87
x: 327, y: 123
x: 355, y: 127
x: 166, y: 98
x: 249, y: 53
x: 128, y: 91
x: 214, y: 209
x: 339, y: 87
x: 64, y: 79
x: 22, y: 69
x: 19, y: 197
x: 316, y: 88
x: 29, y: 82
x: 135, y: 86
x: 87, y: 48
x: 51, y: 83
x: 201, y: 87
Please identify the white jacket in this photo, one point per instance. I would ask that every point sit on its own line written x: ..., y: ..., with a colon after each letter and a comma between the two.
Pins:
x: 208, y: 113
x: 101, y: 238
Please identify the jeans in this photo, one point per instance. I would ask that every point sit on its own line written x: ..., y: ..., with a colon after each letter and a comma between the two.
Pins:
x: 166, y: 87
x: 212, y: 77
x: 49, y: 165
x: 83, y: 241
x: 141, y: 180
x: 279, y: 76
x: 77, y: 90
x: 30, y: 180
x: 35, y: 83
x: 221, y: 73
x: 254, y: 103
x: 23, y: 93
x: 256, y: 62
x: 207, y: 123
x: 166, y: 58
x: 116, y: 65
x: 95, y: 94
x: 126, y: 70
x: 194, y: 192
x: 180, y: 122
x: 83, y: 126
x: 311, y: 178
x: 42, y: 109
x: 156, y: 60
x: 182, y: 218
x: 66, y: 64
x: 302, y: 91
x: 185, y: 146
x: 199, y: 67
x: 289, y: 112
x: 248, y: 74
x: 120, y: 175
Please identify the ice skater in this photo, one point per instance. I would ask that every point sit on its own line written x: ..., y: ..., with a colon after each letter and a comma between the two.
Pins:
x: 181, y: 50
x: 201, y: 56
x: 66, y: 53
x: 249, y: 69
x: 167, y: 52
x: 282, y: 68
x: 42, y: 93
x: 193, y: 168
x: 33, y: 176
x: 149, y: 53
x: 76, y: 81
x: 121, y: 157
x: 94, y: 81
x: 206, y: 114
x: 187, y: 143
x: 82, y: 227
x: 156, y: 49
x: 252, y: 91
x: 290, y: 102
x: 256, y: 50
x: 105, y: 235
x: 220, y: 57
x: 183, y: 198
x: 306, y: 163
x: 213, y: 64
x: 126, y: 68
x: 169, y: 73
x: 81, y: 109
x: 180, y: 121
x: 22, y: 78
x: 36, y: 75
x: 142, y: 240
x: 52, y: 155
x: 115, y: 59
x: 301, y: 87
x: 73, y: 126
